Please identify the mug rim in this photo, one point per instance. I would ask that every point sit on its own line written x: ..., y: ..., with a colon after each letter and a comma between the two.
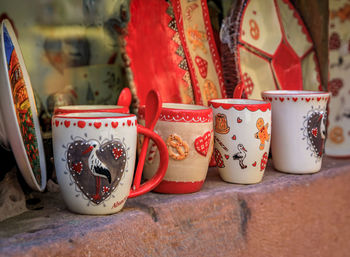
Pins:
x: 237, y: 101
x: 94, y: 115
x: 295, y: 93
x: 90, y: 108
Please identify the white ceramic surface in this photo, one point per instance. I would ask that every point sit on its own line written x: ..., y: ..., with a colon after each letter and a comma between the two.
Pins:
x: 94, y: 157
x: 298, y: 129
x: 242, y: 139
x: 91, y: 108
x: 18, y: 111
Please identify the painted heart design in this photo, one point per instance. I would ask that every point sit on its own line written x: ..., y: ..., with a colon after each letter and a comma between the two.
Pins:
x: 218, y: 158
x: 202, y: 66
x: 234, y: 137
x: 129, y: 123
x: 295, y: 99
x: 227, y: 156
x: 97, y: 124
x: 57, y: 123
x: 67, y: 123
x: 263, y: 162
x: 315, y: 130
x: 114, y: 124
x: 94, y: 168
x: 239, y: 120
x: 117, y: 152
x: 254, y: 164
x: 81, y: 124
x: 201, y: 143
x: 77, y: 167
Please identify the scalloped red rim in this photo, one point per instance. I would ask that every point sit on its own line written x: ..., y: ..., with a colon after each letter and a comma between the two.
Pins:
x: 258, y: 105
x: 198, y: 114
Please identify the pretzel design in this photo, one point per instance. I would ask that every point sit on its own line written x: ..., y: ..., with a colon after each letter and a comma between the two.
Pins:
x: 336, y: 135
x: 175, y: 142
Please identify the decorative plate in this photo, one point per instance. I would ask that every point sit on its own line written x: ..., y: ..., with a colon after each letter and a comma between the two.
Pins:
x: 338, y: 140
x: 19, y: 111
x: 265, y: 45
x: 170, y: 47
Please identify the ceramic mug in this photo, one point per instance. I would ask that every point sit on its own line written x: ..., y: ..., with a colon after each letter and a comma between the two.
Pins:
x: 242, y: 138
x: 299, y: 129
x: 94, y: 157
x: 188, y: 132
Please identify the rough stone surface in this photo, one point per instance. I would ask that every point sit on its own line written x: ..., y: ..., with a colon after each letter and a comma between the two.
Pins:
x: 12, y: 198
x: 284, y: 215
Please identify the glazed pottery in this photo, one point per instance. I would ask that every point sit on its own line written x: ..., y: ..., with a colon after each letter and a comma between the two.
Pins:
x: 242, y: 138
x: 94, y: 157
x: 188, y: 133
x: 338, y: 138
x: 178, y: 55
x: 298, y: 129
x: 20, y: 125
x: 263, y: 45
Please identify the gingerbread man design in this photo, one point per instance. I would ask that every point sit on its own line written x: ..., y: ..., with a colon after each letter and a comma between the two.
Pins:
x: 262, y: 133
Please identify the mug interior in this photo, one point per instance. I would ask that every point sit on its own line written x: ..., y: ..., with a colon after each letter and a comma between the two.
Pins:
x: 94, y: 115
x: 89, y: 107
x: 183, y: 106
x: 237, y: 101
x: 293, y: 93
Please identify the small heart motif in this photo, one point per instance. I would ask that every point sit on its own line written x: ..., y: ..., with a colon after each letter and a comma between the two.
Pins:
x: 234, y: 137
x: 281, y: 99
x: 254, y: 164
x: 57, y: 123
x: 314, y: 132
x: 129, y: 123
x: 201, y: 143
x: 81, y: 124
x: 114, y: 124
x: 270, y: 99
x: 97, y: 124
x: 77, y: 167
x: 295, y: 99
x: 202, y: 66
x: 227, y: 156
x: 318, y: 99
x: 117, y: 153
x: 239, y: 120
x: 67, y: 123
x: 307, y: 99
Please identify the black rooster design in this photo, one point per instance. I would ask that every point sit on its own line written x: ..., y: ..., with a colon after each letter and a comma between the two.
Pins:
x: 240, y: 156
x: 97, y: 169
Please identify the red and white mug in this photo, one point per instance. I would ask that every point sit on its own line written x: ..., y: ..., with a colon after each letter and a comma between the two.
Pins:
x: 188, y: 133
x: 242, y: 138
x: 94, y: 157
x: 298, y: 129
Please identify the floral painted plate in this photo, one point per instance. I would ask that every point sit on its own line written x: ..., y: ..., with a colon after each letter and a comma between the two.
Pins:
x: 266, y: 45
x: 338, y: 140
x: 19, y: 112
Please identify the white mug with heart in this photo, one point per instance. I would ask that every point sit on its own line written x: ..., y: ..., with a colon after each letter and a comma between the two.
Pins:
x: 242, y: 138
x: 188, y: 132
x: 94, y: 157
x: 299, y: 129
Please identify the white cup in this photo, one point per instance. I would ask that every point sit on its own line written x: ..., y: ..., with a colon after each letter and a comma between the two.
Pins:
x: 298, y: 129
x: 242, y: 138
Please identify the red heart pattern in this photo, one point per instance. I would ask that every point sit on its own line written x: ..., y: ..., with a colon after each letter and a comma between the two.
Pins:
x: 114, y: 124
x: 254, y: 164
x: 97, y: 124
x: 202, y: 66
x: 314, y: 132
x: 218, y: 159
x: 77, y: 167
x: 201, y: 143
x: 227, y: 156
x: 117, y: 152
x: 234, y: 137
x: 239, y: 120
x: 81, y: 124
x: 67, y: 123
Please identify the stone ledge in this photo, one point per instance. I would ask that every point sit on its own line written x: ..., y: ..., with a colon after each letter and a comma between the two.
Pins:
x: 284, y: 215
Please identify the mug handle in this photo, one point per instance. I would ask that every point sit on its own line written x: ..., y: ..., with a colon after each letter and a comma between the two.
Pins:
x: 138, y: 189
